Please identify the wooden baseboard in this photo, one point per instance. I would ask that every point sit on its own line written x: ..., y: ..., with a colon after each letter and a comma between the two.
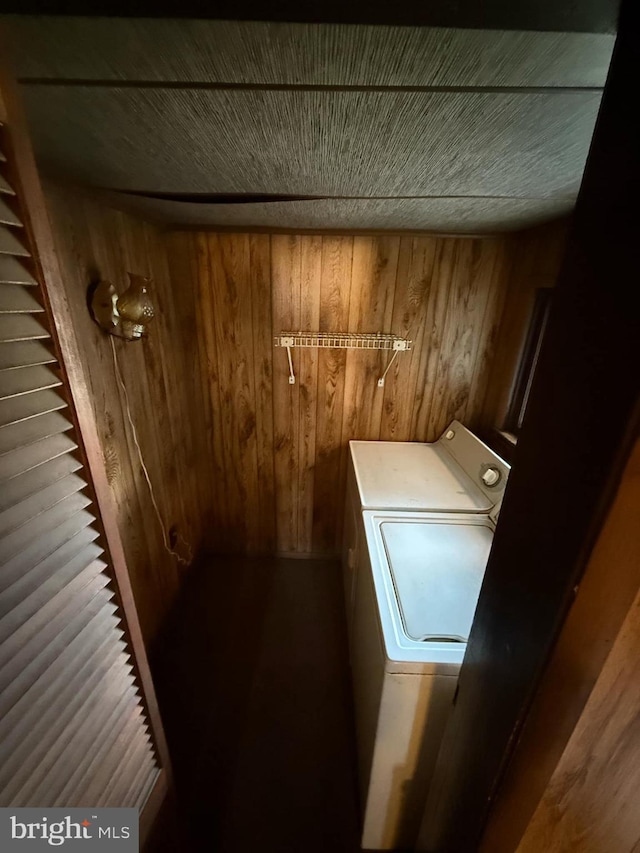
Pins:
x: 296, y: 555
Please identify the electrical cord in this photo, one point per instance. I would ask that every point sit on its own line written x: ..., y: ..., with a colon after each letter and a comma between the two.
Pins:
x: 134, y: 433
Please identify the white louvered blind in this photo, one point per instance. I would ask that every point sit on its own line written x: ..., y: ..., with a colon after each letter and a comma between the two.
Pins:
x: 73, y: 730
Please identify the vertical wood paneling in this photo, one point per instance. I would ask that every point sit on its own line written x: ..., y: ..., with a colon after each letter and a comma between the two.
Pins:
x: 280, y: 451
x: 492, y: 269
x: 142, y: 376
x: 455, y: 255
x: 286, y: 254
x: 412, y: 292
x: 233, y: 325
x: 335, y: 288
x: 214, y: 447
x: 374, y: 270
x: 244, y: 460
x: 187, y: 382
x: 440, y: 253
x: 373, y: 276
x: 162, y: 376
x: 307, y: 375
x: 84, y: 256
x: 463, y: 323
x: 260, y: 273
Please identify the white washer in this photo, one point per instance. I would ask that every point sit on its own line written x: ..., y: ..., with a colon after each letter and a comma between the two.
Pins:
x: 412, y: 580
x: 457, y: 473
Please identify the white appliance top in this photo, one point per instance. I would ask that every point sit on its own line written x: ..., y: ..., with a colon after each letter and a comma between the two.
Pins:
x: 444, y: 476
x: 458, y: 542
x: 437, y: 570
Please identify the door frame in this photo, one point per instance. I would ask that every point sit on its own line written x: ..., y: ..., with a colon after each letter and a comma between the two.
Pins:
x: 578, y: 433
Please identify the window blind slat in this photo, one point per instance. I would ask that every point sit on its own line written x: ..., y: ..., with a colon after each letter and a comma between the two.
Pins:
x: 128, y: 767
x: 34, y: 737
x: 25, y: 458
x: 22, y: 539
x: 53, y: 562
x: 26, y: 380
x: 7, y: 216
x: 23, y: 354
x: 32, y: 661
x: 41, y: 548
x: 31, y: 481
x: 15, y: 436
x: 10, y: 244
x: 58, y: 766
x: 13, y: 272
x: 18, y: 514
x: 5, y: 186
x: 14, y: 410
x: 23, y: 616
x: 20, y: 627
x: 127, y: 728
x: 54, y: 691
x: 88, y: 778
x: 21, y: 327
x: 16, y: 299
x: 97, y: 694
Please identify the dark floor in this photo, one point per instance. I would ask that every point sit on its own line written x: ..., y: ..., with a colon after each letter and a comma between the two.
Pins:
x: 252, y: 679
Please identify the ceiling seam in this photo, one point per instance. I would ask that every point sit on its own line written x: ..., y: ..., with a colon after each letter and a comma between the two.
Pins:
x: 239, y: 198
x: 61, y: 82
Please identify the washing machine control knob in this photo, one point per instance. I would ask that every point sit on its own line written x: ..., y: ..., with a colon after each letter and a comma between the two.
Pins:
x: 491, y: 476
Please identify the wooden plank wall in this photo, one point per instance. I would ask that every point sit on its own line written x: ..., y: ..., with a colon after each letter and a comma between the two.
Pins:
x: 241, y: 460
x: 278, y: 452
x: 591, y: 800
x: 573, y: 719
x: 162, y: 378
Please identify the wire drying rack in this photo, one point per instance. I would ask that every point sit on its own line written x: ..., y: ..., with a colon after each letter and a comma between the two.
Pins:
x: 342, y: 340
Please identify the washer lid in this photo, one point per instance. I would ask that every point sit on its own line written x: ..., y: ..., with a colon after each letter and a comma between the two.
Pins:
x: 407, y: 475
x: 437, y: 570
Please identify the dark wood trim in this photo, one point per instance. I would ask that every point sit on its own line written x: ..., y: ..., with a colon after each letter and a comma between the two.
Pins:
x: 498, y: 441
x: 576, y: 438
x: 598, y: 16
x: 152, y: 807
x: 528, y: 361
x: 45, y: 262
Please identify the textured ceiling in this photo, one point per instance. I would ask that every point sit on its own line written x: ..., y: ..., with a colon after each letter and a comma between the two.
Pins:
x: 400, y: 128
x: 255, y: 52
